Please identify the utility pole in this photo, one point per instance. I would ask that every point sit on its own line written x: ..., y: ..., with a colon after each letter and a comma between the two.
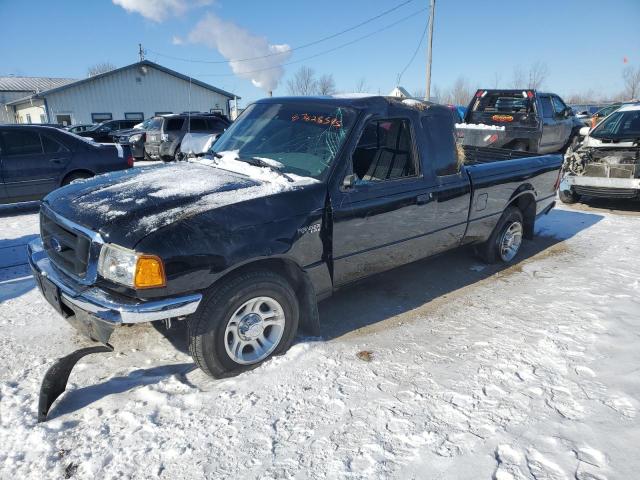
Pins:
x: 432, y: 12
x: 140, y: 52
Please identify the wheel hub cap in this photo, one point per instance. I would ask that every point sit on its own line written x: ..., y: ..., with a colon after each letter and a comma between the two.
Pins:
x: 511, y: 241
x: 250, y: 327
x: 254, y: 330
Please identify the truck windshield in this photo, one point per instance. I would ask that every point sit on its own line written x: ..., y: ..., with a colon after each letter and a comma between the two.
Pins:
x: 502, y: 102
x: 619, y: 126
x: 303, y: 138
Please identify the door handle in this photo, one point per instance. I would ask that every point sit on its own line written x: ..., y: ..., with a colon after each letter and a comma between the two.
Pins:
x: 424, y: 198
x: 56, y: 160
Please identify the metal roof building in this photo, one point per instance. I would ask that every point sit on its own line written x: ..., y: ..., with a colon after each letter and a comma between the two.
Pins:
x: 13, y: 87
x: 136, y: 91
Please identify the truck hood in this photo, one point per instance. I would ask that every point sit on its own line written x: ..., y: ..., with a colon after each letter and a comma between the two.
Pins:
x: 126, y: 206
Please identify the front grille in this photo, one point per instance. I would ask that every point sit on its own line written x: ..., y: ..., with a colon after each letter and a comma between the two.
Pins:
x: 67, y: 249
x: 606, y: 192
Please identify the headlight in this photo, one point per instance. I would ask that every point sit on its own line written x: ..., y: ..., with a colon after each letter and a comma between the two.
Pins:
x: 130, y: 268
x: 135, y: 138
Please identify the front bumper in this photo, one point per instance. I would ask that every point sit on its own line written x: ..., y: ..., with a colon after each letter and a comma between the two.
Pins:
x: 96, y: 312
x: 604, y: 187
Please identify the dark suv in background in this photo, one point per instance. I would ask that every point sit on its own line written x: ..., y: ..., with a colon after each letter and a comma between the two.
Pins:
x: 165, y: 133
x: 101, y: 132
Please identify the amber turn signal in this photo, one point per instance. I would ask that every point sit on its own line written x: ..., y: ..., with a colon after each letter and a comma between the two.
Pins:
x: 149, y: 272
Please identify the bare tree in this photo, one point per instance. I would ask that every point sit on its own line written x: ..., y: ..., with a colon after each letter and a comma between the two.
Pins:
x: 362, y: 86
x: 303, y: 82
x: 326, y: 85
x: 533, y: 78
x: 631, y: 78
x: 98, y: 68
x: 460, y: 92
x: 496, y: 79
x: 519, y: 78
x: 537, y: 75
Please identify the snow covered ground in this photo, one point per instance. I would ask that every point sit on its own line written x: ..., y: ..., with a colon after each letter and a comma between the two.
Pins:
x: 474, y: 372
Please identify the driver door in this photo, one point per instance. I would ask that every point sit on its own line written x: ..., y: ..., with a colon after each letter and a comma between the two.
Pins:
x: 381, y: 211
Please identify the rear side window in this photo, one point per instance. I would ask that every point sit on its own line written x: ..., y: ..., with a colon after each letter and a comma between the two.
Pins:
x: 173, y: 124
x: 385, y: 151
x: 215, y: 125
x: 547, y: 109
x: 442, y: 143
x: 21, y: 142
x: 198, y: 125
x: 52, y: 146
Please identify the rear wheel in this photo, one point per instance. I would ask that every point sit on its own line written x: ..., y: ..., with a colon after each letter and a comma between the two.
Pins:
x: 75, y: 176
x: 568, y: 196
x: 520, y: 147
x: 242, y: 323
x: 506, y: 239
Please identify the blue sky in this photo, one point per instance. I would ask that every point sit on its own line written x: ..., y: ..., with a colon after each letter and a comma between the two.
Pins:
x: 583, y: 42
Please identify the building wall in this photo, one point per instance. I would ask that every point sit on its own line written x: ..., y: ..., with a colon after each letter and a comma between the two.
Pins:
x: 132, y: 91
x: 33, y: 110
x: 6, y: 112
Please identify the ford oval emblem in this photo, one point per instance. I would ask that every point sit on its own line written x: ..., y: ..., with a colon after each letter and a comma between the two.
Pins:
x: 55, y: 244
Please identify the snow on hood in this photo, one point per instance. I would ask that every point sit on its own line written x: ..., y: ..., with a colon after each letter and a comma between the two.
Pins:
x: 140, y: 201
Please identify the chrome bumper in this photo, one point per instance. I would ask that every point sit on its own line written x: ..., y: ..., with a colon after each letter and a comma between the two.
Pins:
x: 93, y: 304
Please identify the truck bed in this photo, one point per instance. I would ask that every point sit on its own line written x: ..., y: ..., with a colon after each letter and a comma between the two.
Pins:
x: 475, y: 155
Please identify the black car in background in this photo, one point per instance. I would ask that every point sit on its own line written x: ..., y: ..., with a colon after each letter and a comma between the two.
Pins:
x: 134, y: 138
x: 101, y: 132
x: 34, y: 160
x: 165, y: 133
x: 80, y: 127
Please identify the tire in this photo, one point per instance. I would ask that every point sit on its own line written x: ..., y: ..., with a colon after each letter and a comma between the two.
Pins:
x: 75, y: 176
x: 572, y: 143
x: 568, y: 196
x: 520, y: 147
x: 227, y: 318
x: 510, y: 225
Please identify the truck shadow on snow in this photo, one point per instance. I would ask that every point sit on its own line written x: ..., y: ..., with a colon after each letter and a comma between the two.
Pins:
x: 367, y: 304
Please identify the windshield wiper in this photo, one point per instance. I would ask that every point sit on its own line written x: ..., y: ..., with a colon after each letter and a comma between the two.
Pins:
x: 258, y: 162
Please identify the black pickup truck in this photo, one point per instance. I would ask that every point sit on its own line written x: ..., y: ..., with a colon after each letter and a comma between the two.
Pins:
x: 524, y: 120
x: 301, y: 197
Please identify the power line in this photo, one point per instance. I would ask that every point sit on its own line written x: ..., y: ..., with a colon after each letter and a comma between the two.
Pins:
x: 387, y: 27
x: 413, y: 57
x: 299, y: 47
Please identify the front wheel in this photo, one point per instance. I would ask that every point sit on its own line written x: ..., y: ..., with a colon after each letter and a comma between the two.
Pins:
x: 568, y: 196
x: 506, y: 239
x: 243, y: 322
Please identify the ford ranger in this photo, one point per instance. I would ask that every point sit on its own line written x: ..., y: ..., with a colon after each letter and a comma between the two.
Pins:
x: 302, y: 196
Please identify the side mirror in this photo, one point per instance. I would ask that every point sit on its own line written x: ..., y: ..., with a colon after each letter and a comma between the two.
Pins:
x: 349, y: 181
x: 584, y: 131
x: 568, y: 112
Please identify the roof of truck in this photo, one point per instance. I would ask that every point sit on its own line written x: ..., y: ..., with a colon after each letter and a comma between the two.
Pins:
x: 361, y: 101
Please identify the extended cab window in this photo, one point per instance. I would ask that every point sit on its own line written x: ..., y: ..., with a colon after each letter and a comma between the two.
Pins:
x: 385, y: 151
x: 547, y: 108
x: 442, y: 144
x: 21, y: 143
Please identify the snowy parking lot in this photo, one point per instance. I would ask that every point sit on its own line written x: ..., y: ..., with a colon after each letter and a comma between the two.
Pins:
x: 472, y: 372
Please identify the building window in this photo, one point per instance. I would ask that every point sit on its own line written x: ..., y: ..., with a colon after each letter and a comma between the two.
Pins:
x: 28, y: 118
x: 101, y: 117
x: 134, y: 116
x: 163, y: 113
x: 43, y: 119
